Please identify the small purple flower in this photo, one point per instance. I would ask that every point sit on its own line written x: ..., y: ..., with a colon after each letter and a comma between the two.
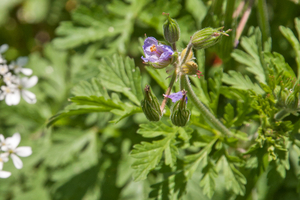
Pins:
x: 158, y: 55
x: 177, y: 96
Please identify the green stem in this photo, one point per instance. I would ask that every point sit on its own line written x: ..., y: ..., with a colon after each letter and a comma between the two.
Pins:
x: 188, y: 49
x: 163, y: 104
x: 204, y: 111
x: 281, y: 114
x: 182, y: 82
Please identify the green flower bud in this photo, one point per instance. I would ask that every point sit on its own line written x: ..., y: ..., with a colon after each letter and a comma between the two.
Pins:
x: 180, y: 114
x: 171, y: 30
x: 292, y: 101
x: 150, y: 105
x: 208, y: 37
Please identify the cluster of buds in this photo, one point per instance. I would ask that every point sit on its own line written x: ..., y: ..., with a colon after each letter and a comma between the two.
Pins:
x: 159, y: 55
x: 9, y: 148
x: 12, y: 84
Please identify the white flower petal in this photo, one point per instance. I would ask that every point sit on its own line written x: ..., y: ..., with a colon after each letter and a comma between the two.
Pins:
x: 13, y: 98
x: 17, y: 161
x: 28, y: 96
x: 4, y: 157
x: 26, y: 71
x: 28, y: 83
x: 4, y: 174
x: 14, y: 141
x: 2, y: 139
x: 23, y: 151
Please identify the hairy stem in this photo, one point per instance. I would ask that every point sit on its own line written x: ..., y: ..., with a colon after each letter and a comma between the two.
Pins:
x: 163, y: 104
x: 188, y: 49
x: 204, y: 111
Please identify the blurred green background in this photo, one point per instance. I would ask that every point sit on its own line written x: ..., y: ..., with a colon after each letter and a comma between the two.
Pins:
x: 86, y: 157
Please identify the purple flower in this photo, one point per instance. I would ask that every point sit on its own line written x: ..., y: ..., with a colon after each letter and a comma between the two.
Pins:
x: 177, y: 96
x: 158, y: 55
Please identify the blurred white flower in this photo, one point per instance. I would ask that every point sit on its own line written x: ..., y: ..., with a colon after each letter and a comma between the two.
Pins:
x: 3, y: 69
x: 9, y: 93
x: 17, y: 66
x: 9, y: 78
x: 13, y: 92
x: 3, y: 158
x: 11, y: 147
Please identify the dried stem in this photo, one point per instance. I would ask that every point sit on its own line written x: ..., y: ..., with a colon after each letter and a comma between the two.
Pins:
x: 243, y: 22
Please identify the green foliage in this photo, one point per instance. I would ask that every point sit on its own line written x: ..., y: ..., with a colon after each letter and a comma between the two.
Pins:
x: 89, y: 136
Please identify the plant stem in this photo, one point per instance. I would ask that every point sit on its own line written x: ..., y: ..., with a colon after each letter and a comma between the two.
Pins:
x: 281, y: 114
x: 204, y: 111
x: 188, y: 49
x: 173, y: 79
x: 163, y: 104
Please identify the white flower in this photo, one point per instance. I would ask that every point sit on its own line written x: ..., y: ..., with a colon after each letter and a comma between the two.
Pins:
x: 3, y: 69
x: 9, y: 78
x: 10, y: 147
x: 15, y: 91
x: 18, y: 66
x: 9, y: 93
x: 3, y: 158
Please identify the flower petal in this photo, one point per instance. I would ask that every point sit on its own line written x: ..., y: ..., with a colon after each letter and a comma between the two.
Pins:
x: 4, y: 174
x: 28, y: 96
x: 26, y: 71
x: 28, y: 83
x: 2, y: 139
x: 13, y: 98
x: 23, y: 151
x: 17, y: 161
x: 13, y: 141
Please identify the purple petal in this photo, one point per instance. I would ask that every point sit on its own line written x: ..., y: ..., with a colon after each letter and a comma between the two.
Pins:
x: 176, y: 96
x: 149, y: 42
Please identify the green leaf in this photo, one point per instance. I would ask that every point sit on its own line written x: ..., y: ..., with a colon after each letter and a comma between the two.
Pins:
x: 235, y: 180
x: 251, y: 58
x: 289, y: 35
x: 154, y: 129
x: 229, y: 114
x: 215, y: 86
x: 208, y: 180
x: 121, y: 75
x: 238, y: 81
x: 148, y: 155
x: 193, y: 161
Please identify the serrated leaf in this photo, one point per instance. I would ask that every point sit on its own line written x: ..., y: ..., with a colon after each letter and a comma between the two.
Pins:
x: 208, y: 180
x: 229, y: 114
x: 238, y: 81
x: 148, y: 155
x: 289, y: 35
x: 121, y: 75
x: 235, y: 180
x: 193, y: 161
x: 251, y: 57
x: 154, y: 129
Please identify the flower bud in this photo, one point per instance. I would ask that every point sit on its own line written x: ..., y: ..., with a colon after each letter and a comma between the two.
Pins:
x: 150, y: 105
x: 171, y: 30
x: 208, y: 37
x: 292, y: 101
x: 191, y: 68
x: 180, y: 114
